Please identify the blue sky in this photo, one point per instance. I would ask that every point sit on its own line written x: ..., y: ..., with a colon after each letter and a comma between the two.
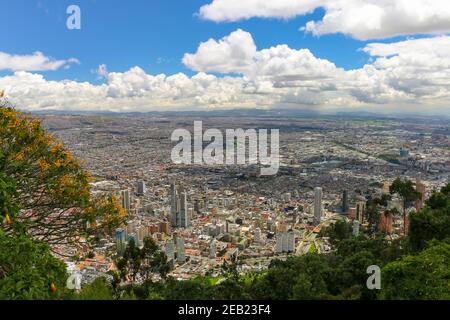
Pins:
x: 155, y: 35
x: 151, y: 34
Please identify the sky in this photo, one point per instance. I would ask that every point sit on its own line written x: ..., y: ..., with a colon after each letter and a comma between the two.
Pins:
x: 222, y: 54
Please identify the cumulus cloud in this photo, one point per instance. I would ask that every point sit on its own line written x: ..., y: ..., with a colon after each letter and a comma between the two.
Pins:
x: 34, y: 62
x: 412, y: 72
x: 235, y: 10
x: 232, y: 53
x: 361, y: 19
x: 237, y: 53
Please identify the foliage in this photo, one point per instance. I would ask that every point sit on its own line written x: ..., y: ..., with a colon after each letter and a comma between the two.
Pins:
x: 43, y: 187
x: 432, y: 222
x: 405, y: 189
x: 141, y: 264
x: 424, y: 276
x: 28, y: 270
x: 99, y: 289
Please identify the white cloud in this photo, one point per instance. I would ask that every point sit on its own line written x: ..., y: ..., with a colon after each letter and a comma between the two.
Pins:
x: 34, y: 62
x: 102, y: 72
x: 232, y: 53
x: 361, y: 19
x: 235, y: 10
x: 414, y: 72
x: 237, y: 53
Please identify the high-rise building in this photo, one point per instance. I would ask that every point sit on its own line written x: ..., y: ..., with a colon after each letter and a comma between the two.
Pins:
x: 257, y: 236
x: 360, y: 211
x: 164, y: 227
x: 212, y: 249
x: 290, y: 241
x: 285, y: 242
x: 170, y: 250
x: 317, y: 205
x: 279, y: 243
x: 184, y: 221
x: 352, y: 212
x: 344, y: 202
x: 125, y: 199
x: 174, y: 205
x: 120, y: 240
x: 142, y: 232
x: 355, y: 228
x: 385, y: 224
x: 420, y: 187
x: 141, y: 189
x: 181, y: 256
x: 133, y: 237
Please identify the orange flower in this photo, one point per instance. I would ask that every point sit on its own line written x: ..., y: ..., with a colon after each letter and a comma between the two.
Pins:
x: 53, y: 287
x: 43, y: 165
x: 8, y: 220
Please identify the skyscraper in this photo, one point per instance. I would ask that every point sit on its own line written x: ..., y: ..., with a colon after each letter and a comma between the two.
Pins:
x: 360, y: 211
x: 355, y: 228
x: 133, y: 236
x: 141, y: 189
x: 344, y: 202
x: 125, y: 199
x: 170, y: 250
x: 184, y: 221
x: 174, y: 205
x: 181, y: 257
x: 420, y: 187
x: 257, y: 236
x: 317, y: 205
x: 212, y: 249
x: 120, y: 240
x: 179, y: 210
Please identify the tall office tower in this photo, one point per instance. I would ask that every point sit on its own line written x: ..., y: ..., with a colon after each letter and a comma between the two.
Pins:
x: 133, y: 236
x: 120, y: 241
x: 284, y: 242
x: 184, y: 221
x: 344, y: 201
x: 212, y: 249
x: 420, y: 187
x: 317, y: 205
x: 141, y: 189
x: 257, y: 237
x: 355, y: 228
x: 125, y: 199
x: 170, y: 250
x: 174, y: 205
x: 181, y: 256
x: 197, y: 206
x: 141, y: 232
x: 279, y: 243
x: 360, y: 211
x: 290, y: 241
x: 385, y: 223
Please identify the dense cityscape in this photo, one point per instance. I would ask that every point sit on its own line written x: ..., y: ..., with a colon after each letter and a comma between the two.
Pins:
x: 204, y: 215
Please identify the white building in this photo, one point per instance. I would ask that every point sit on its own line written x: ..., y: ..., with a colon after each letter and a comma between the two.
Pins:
x: 317, y: 205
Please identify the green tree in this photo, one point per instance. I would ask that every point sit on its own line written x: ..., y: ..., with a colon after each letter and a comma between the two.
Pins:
x: 51, y: 189
x: 28, y: 270
x: 405, y: 189
x: 99, y: 289
x: 142, y: 263
x: 424, y: 276
x: 432, y: 222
